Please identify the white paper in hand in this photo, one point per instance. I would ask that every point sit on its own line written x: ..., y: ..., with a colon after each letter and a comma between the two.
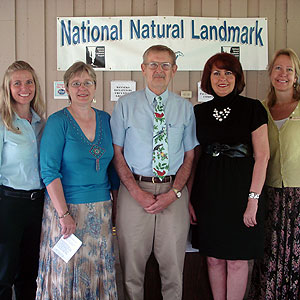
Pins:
x: 66, y: 248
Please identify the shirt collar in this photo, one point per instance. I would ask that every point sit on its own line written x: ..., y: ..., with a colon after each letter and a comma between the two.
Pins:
x: 35, y: 117
x: 150, y: 96
x: 296, y: 112
x: 294, y: 115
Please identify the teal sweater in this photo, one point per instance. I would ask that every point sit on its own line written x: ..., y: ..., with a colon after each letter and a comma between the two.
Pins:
x: 84, y: 167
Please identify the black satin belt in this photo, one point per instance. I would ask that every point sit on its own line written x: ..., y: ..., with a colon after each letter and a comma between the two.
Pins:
x: 238, y: 150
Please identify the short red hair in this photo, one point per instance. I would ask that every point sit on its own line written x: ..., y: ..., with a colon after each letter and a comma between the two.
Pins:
x: 223, y: 61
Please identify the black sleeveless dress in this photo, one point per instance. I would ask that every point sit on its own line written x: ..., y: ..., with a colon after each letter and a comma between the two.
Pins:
x: 222, y: 183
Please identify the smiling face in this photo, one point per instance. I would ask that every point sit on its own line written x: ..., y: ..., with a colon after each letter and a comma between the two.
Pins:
x: 83, y: 94
x: 158, y: 80
x: 222, y: 81
x: 22, y: 87
x: 283, y: 74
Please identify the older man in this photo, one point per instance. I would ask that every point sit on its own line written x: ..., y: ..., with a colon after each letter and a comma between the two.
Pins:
x: 154, y: 139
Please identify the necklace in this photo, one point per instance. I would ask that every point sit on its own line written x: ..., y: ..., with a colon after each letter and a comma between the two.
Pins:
x: 96, y: 150
x: 222, y: 114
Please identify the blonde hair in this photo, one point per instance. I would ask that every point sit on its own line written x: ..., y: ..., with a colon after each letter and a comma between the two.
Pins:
x: 6, y: 99
x: 271, y: 98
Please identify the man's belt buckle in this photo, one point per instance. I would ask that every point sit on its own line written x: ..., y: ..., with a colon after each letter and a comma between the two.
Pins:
x: 153, y: 179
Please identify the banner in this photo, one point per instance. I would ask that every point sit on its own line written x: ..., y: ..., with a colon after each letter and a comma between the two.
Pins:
x: 118, y: 43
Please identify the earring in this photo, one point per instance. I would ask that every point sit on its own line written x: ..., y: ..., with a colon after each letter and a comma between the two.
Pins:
x: 69, y: 102
x: 94, y: 100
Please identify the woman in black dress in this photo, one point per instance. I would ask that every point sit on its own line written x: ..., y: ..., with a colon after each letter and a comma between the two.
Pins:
x: 228, y: 177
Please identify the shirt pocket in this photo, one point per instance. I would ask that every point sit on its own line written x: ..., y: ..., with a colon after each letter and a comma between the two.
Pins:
x: 175, y: 137
x: 140, y: 133
x: 12, y: 139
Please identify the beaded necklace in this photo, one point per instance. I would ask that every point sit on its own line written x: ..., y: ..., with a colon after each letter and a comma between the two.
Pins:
x: 222, y: 114
x: 95, y: 150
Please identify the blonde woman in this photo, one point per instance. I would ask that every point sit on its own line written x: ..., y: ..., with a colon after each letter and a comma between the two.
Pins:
x: 276, y: 276
x: 21, y: 189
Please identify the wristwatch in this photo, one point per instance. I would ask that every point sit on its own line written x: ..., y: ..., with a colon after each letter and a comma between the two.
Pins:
x: 177, y: 193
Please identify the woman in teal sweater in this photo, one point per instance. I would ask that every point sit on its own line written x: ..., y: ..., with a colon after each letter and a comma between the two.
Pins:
x: 76, y: 154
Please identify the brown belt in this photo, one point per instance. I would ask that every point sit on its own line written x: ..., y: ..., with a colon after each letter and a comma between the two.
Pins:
x: 169, y: 178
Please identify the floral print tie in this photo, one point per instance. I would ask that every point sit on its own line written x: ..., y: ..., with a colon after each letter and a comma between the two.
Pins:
x: 160, y: 161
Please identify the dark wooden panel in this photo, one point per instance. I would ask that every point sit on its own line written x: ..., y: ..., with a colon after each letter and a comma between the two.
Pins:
x: 195, y: 278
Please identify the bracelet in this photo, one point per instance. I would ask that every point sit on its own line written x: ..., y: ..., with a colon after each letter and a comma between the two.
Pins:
x: 253, y: 195
x: 67, y: 213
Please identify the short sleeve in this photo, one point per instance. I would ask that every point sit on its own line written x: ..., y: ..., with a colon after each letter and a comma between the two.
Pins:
x: 189, y: 139
x: 117, y: 124
x: 196, y: 111
x: 259, y: 116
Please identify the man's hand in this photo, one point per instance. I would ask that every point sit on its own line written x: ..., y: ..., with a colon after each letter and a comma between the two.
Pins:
x: 145, y: 199
x: 162, y: 202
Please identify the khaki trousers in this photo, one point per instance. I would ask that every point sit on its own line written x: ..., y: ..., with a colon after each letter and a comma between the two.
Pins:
x: 140, y: 233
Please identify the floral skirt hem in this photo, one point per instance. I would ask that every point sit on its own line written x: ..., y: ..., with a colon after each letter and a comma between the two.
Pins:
x: 90, y: 274
x: 276, y: 276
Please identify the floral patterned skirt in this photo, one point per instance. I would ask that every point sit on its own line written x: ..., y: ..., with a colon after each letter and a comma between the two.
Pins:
x: 276, y: 276
x: 90, y: 274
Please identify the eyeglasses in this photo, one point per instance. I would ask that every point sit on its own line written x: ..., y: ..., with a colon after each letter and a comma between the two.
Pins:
x: 153, y: 65
x: 87, y: 84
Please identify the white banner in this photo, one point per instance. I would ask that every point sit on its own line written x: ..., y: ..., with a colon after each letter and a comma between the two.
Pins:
x: 118, y: 43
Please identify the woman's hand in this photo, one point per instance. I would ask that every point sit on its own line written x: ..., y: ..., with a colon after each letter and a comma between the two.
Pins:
x: 250, y: 213
x: 193, y: 219
x: 68, y: 226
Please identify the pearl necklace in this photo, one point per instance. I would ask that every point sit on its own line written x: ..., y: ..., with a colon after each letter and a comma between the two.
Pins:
x: 222, y: 114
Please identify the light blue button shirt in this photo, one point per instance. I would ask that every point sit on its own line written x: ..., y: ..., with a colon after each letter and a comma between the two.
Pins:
x: 132, y: 129
x: 19, y: 161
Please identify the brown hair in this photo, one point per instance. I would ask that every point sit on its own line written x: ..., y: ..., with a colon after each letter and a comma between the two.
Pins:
x: 159, y: 48
x: 223, y: 61
x: 79, y: 67
x: 271, y: 98
x: 6, y: 99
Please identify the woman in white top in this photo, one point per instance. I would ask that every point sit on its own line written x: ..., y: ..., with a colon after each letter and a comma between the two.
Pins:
x: 276, y: 276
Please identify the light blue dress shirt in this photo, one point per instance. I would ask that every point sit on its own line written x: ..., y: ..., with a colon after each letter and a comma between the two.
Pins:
x: 132, y: 129
x: 19, y: 161
x: 66, y: 153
